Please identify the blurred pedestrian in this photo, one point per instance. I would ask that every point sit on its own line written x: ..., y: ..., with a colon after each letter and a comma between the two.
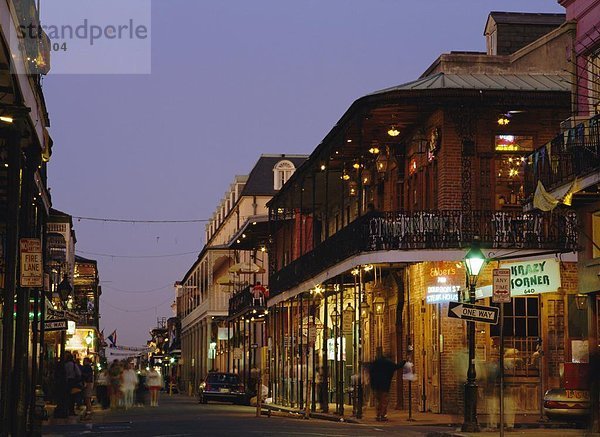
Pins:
x: 154, y: 383
x: 61, y: 390
x: 87, y: 375
x: 73, y: 382
x: 128, y: 385
x: 141, y: 390
x: 114, y: 383
x: 102, y: 388
x: 381, y: 372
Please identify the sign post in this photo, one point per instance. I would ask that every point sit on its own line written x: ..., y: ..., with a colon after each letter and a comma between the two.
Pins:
x: 501, y: 295
x: 32, y: 271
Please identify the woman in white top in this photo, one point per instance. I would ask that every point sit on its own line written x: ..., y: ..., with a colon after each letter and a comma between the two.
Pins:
x: 128, y: 385
x: 154, y: 383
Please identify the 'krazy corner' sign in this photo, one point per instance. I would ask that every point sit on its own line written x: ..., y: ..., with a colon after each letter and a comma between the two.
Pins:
x: 534, y: 277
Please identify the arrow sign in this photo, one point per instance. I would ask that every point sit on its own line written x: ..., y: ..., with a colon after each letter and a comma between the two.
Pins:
x: 474, y: 313
x: 55, y: 325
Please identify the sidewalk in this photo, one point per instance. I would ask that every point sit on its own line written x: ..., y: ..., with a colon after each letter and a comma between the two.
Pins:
x: 400, y: 417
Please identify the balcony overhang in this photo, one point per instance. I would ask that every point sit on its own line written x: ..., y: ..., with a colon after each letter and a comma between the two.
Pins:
x: 253, y: 234
x: 389, y: 257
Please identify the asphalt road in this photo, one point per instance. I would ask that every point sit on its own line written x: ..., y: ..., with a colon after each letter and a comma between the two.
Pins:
x: 182, y: 417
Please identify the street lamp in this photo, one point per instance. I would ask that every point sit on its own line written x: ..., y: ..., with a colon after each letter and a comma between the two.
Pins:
x: 89, y: 338
x: 474, y: 262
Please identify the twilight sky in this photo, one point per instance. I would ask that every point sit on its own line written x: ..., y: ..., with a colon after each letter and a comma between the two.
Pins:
x: 231, y: 79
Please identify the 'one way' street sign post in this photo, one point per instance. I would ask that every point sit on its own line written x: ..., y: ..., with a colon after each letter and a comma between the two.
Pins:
x: 474, y: 313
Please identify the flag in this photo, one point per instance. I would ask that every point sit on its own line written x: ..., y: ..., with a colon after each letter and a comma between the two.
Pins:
x: 102, y: 340
x: 113, y: 338
x: 543, y: 200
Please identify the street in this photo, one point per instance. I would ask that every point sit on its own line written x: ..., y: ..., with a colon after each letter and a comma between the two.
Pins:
x: 180, y: 416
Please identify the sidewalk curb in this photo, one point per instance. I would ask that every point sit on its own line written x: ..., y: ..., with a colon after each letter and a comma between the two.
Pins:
x: 301, y: 414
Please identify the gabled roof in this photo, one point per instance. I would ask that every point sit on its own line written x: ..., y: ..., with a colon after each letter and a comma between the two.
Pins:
x: 517, y: 82
x: 260, y: 179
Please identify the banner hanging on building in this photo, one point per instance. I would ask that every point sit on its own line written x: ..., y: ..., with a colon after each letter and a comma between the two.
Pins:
x: 534, y: 277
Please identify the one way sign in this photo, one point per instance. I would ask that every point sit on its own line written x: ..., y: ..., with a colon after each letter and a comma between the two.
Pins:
x: 475, y: 313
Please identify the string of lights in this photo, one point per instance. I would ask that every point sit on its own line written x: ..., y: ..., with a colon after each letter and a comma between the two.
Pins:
x: 137, y: 310
x: 110, y: 255
x: 130, y: 221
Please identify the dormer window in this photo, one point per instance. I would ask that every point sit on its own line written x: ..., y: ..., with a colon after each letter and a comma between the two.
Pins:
x: 282, y: 171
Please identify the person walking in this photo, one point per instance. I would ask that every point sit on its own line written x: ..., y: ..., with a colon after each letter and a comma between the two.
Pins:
x: 73, y: 380
x: 102, y: 388
x: 381, y: 372
x: 115, y: 373
x: 154, y: 382
x: 87, y: 375
x: 130, y: 381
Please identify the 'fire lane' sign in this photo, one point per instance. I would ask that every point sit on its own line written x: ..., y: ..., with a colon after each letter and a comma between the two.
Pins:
x: 32, y: 272
x: 475, y: 313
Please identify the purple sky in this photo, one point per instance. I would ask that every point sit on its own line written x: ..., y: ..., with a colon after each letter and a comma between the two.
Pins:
x: 230, y: 80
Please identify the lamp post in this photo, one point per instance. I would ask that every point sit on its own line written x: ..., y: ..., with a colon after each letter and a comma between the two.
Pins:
x: 474, y: 262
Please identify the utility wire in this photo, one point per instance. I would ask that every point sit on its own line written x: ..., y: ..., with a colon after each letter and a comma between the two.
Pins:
x: 110, y: 255
x: 140, y: 310
x: 138, y: 291
x: 114, y: 220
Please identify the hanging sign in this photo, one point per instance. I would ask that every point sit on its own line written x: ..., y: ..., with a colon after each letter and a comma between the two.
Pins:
x: 501, y: 285
x: 32, y: 271
x: 534, y: 277
x: 55, y: 325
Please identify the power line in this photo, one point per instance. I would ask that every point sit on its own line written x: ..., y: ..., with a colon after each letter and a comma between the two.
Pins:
x: 104, y: 302
x: 110, y: 255
x: 137, y: 291
x: 114, y: 220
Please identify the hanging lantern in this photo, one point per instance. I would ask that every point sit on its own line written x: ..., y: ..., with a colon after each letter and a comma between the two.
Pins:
x: 352, y: 188
x: 382, y: 163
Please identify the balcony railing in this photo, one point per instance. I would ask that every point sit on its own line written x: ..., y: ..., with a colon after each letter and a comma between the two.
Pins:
x: 243, y: 301
x: 436, y: 230
x: 573, y: 153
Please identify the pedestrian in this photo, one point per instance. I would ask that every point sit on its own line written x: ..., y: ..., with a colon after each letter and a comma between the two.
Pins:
x: 128, y: 385
x: 114, y: 383
x: 87, y: 375
x: 142, y: 389
x: 73, y: 382
x: 154, y: 383
x: 60, y: 389
x: 381, y: 372
x: 102, y: 388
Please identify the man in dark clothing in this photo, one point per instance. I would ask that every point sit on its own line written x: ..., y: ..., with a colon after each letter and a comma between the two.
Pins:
x: 381, y: 372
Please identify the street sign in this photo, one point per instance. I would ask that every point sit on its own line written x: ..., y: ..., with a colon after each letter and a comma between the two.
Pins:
x: 501, y: 286
x: 55, y: 325
x: 52, y: 314
x: 32, y: 271
x: 474, y: 313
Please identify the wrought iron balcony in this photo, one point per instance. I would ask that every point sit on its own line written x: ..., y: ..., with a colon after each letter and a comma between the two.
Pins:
x: 573, y: 153
x: 242, y: 302
x: 433, y: 230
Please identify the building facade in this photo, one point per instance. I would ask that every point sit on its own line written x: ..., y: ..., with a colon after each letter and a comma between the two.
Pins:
x: 564, y: 176
x: 368, y: 236
x: 230, y: 262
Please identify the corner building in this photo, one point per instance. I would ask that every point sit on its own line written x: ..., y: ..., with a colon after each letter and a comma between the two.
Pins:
x: 369, y: 234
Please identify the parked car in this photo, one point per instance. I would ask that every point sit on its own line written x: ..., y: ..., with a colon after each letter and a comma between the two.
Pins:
x: 222, y: 387
x: 560, y: 403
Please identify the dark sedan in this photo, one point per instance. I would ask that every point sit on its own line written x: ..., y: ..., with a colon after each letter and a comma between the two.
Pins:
x: 222, y: 387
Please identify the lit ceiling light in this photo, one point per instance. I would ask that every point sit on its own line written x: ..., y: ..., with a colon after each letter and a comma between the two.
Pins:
x: 374, y: 150
x: 355, y: 271
x: 503, y: 120
x: 6, y: 119
x: 393, y: 132
x: 323, y: 167
x: 345, y: 176
x: 263, y: 249
x: 348, y: 141
x: 253, y: 223
x: 356, y: 165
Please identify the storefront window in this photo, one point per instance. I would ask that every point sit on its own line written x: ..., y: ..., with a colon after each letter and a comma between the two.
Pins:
x: 521, y: 333
x: 509, y: 165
